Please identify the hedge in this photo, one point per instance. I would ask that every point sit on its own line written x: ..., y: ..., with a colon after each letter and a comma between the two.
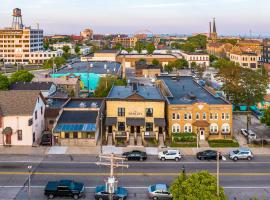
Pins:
x: 223, y: 143
x: 184, y: 137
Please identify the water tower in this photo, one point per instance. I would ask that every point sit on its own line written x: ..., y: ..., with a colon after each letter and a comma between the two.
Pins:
x: 17, y: 19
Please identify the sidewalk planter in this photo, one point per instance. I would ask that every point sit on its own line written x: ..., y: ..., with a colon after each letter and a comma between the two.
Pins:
x: 223, y: 143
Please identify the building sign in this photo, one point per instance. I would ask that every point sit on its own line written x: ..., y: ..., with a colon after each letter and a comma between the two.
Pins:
x: 135, y: 113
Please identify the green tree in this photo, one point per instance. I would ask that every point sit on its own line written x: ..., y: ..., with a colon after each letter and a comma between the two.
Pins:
x: 201, y: 185
x: 21, y: 76
x: 266, y: 117
x: 129, y: 50
x: 193, y: 65
x: 58, y: 61
x: 176, y: 187
x: 213, y: 58
x: 150, y: 48
x: 222, y: 63
x: 169, y: 67
x: 139, y: 46
x: 66, y: 49
x: 77, y: 49
x: 4, y: 83
x: 180, y: 63
x: 118, y: 46
x: 155, y: 62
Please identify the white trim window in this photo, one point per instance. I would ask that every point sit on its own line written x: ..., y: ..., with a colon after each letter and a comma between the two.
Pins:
x: 173, y: 116
x: 225, y: 128
x: 214, y: 128
x: 188, y: 128
x: 176, y: 128
x: 227, y: 116
x: 204, y: 116
x: 187, y: 116
x: 213, y: 116
x: 177, y: 116
x: 197, y: 116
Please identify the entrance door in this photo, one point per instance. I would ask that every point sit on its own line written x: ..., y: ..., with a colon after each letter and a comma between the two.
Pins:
x: 8, y: 139
x: 110, y: 129
x: 160, y: 130
x: 202, y: 135
x: 138, y: 129
x: 132, y: 128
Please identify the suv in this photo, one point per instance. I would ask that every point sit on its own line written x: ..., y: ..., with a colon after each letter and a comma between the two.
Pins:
x: 241, y: 153
x: 251, y: 135
x: 169, y: 155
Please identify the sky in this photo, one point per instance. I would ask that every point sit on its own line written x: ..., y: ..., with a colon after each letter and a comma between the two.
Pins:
x: 233, y: 17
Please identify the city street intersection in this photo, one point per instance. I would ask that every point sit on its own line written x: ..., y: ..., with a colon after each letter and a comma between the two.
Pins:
x: 241, y: 180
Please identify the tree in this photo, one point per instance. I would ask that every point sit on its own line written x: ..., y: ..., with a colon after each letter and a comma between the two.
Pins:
x: 21, y: 76
x: 169, y: 67
x: 212, y: 58
x: 193, y: 65
x: 4, y: 84
x: 118, y: 46
x: 266, y: 117
x: 222, y: 62
x: 139, y: 46
x: 129, y: 50
x: 155, y: 62
x: 66, y: 49
x: 77, y: 49
x: 150, y: 48
x: 180, y: 63
x: 58, y: 61
x: 201, y: 185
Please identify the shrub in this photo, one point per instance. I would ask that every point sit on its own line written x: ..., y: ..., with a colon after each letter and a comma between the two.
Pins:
x: 184, y: 137
x: 223, y: 143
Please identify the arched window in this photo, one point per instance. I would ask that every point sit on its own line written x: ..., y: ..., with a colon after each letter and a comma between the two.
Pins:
x: 197, y: 116
x: 176, y: 128
x: 188, y: 128
x: 225, y: 128
x: 214, y: 128
x: 204, y: 116
x: 177, y: 116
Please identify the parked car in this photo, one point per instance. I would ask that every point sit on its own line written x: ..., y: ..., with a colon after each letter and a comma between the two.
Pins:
x: 170, y: 155
x: 208, y: 155
x: 135, y: 155
x: 101, y: 193
x: 244, y: 132
x: 64, y: 188
x: 241, y: 153
x: 159, y: 191
x: 251, y: 135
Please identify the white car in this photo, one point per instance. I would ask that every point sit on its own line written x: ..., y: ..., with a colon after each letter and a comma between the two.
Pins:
x: 244, y: 132
x: 251, y: 135
x: 170, y: 155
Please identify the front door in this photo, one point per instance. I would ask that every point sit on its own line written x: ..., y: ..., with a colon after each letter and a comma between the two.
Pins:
x: 160, y: 130
x: 202, y: 135
x: 110, y: 129
x: 138, y: 129
x: 8, y: 139
x: 132, y: 129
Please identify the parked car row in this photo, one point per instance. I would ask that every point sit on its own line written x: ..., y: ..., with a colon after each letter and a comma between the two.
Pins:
x: 249, y: 134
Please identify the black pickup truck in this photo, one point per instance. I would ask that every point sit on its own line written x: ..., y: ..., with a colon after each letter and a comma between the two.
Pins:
x: 64, y: 188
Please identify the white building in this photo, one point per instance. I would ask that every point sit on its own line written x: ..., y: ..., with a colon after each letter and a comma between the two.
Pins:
x: 21, y: 117
x: 201, y: 59
x: 60, y: 45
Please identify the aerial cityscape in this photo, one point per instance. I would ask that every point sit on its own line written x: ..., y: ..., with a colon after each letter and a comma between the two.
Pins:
x: 135, y: 100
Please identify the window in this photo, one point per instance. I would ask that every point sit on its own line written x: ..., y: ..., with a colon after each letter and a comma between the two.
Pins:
x: 173, y: 116
x: 66, y: 135
x: 214, y: 128
x: 41, y: 110
x: 213, y: 116
x: 121, y: 126
x: 149, y: 126
x: 35, y: 114
x: 176, y: 128
x: 197, y: 116
x: 177, y: 116
x: 30, y: 122
x: 121, y: 111
x: 223, y: 116
x: 227, y: 116
x: 188, y: 128
x: 149, y: 112
x: 75, y: 135
x: 51, y: 122
x: 204, y: 116
x: 19, y: 135
x: 225, y: 128
x: 187, y: 116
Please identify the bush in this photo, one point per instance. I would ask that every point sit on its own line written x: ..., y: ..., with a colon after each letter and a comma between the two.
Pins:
x: 184, y: 137
x: 223, y: 143
x: 183, y: 144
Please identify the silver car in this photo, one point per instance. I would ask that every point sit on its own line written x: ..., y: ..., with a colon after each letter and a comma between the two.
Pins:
x: 159, y: 192
x: 241, y: 153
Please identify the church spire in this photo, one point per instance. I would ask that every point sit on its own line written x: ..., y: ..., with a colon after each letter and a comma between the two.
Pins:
x: 214, y: 26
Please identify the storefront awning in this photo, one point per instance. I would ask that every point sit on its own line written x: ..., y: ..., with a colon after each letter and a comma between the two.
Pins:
x: 201, y: 124
x: 75, y: 128
x: 160, y: 122
x: 110, y: 121
x: 135, y: 121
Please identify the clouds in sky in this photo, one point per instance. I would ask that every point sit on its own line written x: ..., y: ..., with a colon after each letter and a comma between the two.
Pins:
x: 161, y: 16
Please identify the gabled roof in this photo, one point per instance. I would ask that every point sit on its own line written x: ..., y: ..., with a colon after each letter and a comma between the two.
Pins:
x: 16, y: 102
x: 41, y: 86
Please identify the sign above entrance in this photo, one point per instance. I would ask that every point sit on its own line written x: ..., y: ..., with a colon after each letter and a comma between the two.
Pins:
x: 135, y: 113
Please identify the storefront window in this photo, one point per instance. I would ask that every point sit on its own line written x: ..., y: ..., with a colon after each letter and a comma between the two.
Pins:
x: 121, y: 126
x: 149, y: 126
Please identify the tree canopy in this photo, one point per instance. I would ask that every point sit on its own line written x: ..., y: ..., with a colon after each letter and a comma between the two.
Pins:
x: 150, y: 48
x: 222, y: 62
x: 139, y: 46
x: 21, y: 76
x: 58, y: 61
x: 178, y: 64
x: 155, y: 62
x: 77, y: 49
x: 66, y: 49
x: 266, y: 117
x: 198, y: 186
x: 4, y: 83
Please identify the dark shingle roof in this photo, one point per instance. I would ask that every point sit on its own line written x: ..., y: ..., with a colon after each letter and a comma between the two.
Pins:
x: 185, y: 90
x: 15, y: 102
x: 31, y: 86
x: 82, y: 117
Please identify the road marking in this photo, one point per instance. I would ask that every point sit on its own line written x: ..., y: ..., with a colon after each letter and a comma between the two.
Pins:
x: 128, y: 173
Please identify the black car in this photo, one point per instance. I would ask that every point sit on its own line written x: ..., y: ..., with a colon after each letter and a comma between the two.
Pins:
x: 208, y: 155
x: 135, y: 155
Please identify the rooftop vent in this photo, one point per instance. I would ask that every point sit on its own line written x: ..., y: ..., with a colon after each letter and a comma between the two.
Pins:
x: 94, y: 105
x: 82, y: 105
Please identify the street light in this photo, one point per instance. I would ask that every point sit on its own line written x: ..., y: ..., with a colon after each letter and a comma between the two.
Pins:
x: 101, y: 138
x: 218, y: 173
x: 29, y: 181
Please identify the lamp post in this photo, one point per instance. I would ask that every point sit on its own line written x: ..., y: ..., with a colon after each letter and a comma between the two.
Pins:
x: 218, y: 173
x: 101, y: 132
x: 29, y: 181
x: 197, y: 137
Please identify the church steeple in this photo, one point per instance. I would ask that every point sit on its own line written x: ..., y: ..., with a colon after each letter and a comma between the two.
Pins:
x: 214, y: 26
x: 213, y: 34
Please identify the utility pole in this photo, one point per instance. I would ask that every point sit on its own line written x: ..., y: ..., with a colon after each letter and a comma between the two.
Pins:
x: 101, y: 132
x: 29, y: 181
x: 218, y: 173
x: 111, y: 183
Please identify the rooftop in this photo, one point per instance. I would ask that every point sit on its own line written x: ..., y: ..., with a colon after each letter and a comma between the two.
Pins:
x: 31, y: 86
x: 185, y: 90
x: 84, y: 103
x: 92, y: 67
x: 146, y: 92
x: 59, y: 81
x: 80, y: 117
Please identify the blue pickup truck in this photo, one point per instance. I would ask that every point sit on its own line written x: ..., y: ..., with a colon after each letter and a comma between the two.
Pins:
x: 64, y: 188
x: 101, y: 193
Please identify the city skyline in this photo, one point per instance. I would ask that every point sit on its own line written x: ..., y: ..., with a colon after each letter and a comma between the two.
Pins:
x: 234, y: 17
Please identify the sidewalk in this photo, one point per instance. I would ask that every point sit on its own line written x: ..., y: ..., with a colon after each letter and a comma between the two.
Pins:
x: 61, y: 150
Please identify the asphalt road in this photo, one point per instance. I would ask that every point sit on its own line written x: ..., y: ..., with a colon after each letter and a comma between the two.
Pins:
x: 241, y: 180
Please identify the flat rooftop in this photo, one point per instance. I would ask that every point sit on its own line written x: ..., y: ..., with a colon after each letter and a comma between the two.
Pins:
x: 147, y: 92
x: 92, y: 67
x: 84, y: 103
x: 185, y: 90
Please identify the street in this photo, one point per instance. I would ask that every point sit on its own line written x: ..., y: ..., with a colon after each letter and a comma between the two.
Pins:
x: 241, y: 180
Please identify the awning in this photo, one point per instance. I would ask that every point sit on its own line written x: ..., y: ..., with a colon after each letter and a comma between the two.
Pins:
x: 110, y: 121
x: 7, y: 130
x: 135, y: 122
x: 201, y: 124
x: 160, y: 122
x: 75, y: 128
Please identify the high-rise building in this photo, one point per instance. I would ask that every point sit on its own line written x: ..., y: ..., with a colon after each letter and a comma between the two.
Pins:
x: 21, y: 44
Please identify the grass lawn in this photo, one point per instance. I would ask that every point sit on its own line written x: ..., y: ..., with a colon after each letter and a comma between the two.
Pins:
x: 223, y: 143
